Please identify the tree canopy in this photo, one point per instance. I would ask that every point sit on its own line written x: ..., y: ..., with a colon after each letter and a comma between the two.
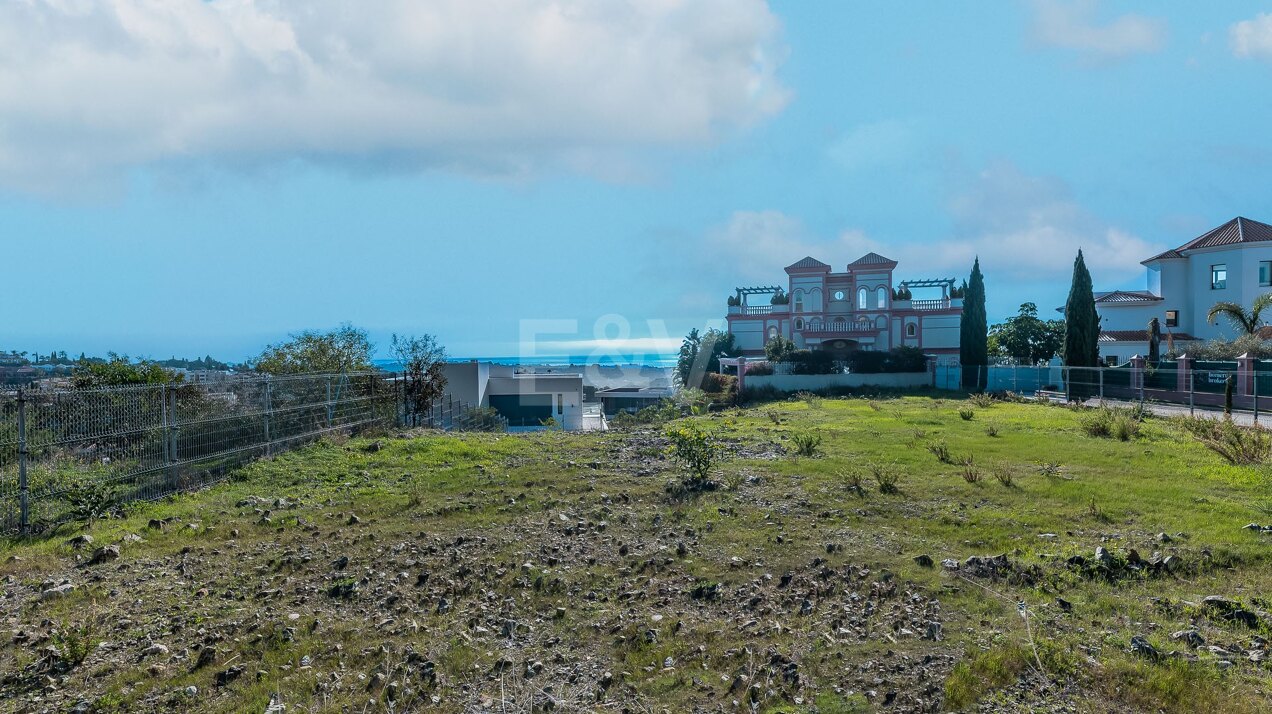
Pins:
x: 423, y: 362
x: 344, y: 349
x: 1026, y: 338
x: 973, y: 343
x: 117, y: 370
x: 700, y: 353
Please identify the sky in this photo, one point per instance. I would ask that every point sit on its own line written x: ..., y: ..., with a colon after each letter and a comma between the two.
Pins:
x: 181, y: 177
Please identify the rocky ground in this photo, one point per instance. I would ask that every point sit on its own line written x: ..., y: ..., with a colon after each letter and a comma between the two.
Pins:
x: 490, y: 573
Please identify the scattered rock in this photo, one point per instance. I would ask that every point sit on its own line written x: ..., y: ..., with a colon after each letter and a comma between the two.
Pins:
x: 80, y: 541
x: 1192, y: 638
x: 923, y: 561
x: 104, y: 554
x: 1144, y: 648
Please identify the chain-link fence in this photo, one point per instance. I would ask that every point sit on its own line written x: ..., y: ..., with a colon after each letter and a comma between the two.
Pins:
x: 71, y: 453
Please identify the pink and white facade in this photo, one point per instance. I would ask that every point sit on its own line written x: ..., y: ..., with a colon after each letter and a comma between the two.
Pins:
x: 852, y: 310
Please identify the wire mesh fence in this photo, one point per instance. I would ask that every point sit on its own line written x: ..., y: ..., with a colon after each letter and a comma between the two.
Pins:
x: 1197, y: 385
x: 66, y: 453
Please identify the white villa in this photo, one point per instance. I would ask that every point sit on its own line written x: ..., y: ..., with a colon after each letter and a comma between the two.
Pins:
x: 523, y: 398
x: 856, y: 309
x: 1231, y: 263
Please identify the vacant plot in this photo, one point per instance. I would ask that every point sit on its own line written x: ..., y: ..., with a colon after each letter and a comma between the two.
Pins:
x: 908, y: 554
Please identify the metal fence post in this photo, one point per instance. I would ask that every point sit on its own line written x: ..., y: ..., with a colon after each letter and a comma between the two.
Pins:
x: 24, y: 522
x: 328, y: 402
x: 269, y: 406
x: 1100, y: 371
x: 1066, y: 373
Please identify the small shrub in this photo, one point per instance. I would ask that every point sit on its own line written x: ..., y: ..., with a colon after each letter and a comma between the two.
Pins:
x: 623, y: 420
x: 966, y: 413
x: 811, y: 400
x: 970, y: 473
x: 91, y: 496
x: 1239, y: 445
x: 806, y: 444
x: 698, y: 453
x: 991, y: 431
x: 887, y: 477
x: 874, y: 405
x: 982, y: 400
x: 1050, y: 469
x: 1005, y: 477
x: 941, y: 451
x: 759, y: 370
x: 854, y: 482
x: 1122, y: 424
x: 774, y: 416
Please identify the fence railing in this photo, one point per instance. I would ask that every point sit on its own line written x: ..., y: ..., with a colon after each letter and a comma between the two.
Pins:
x: 1191, y: 385
x: 64, y: 452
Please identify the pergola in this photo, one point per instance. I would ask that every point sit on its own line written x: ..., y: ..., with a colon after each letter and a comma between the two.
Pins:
x: 759, y: 290
x: 945, y: 284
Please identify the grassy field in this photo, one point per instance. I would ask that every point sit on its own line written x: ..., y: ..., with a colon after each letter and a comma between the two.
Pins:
x: 551, y: 571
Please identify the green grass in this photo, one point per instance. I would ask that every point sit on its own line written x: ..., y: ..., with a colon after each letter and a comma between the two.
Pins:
x: 505, y: 495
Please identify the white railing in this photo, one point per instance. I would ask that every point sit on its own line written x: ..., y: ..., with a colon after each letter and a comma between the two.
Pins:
x: 929, y: 304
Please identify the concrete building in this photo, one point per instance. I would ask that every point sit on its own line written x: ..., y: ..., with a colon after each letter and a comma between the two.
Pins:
x: 857, y: 309
x: 632, y: 399
x: 523, y: 398
x: 1230, y: 263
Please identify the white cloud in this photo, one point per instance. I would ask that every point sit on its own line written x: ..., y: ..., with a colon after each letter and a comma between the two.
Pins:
x: 1071, y: 25
x: 1252, y: 38
x: 92, y: 87
x: 1025, y: 229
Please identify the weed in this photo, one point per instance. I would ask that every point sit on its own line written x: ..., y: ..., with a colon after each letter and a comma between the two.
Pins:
x: 874, y: 405
x: 1121, y: 423
x: 854, y: 482
x: 774, y: 416
x: 807, y: 443
x: 982, y: 400
x: 991, y: 431
x: 970, y: 473
x: 941, y: 451
x: 1051, y: 469
x: 1239, y: 445
x: 1005, y: 477
x: 808, y: 398
x: 967, y: 413
x: 887, y: 476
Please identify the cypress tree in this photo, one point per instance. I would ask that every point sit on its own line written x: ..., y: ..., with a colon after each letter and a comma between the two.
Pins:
x: 973, y: 343
x: 1081, y: 321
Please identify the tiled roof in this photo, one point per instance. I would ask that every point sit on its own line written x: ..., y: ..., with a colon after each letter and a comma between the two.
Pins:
x: 1168, y: 255
x: 808, y: 262
x: 872, y: 259
x: 1141, y: 336
x: 1129, y: 297
x: 1238, y: 230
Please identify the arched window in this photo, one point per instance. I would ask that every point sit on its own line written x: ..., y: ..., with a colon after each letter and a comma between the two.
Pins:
x: 799, y: 322
x: 861, y: 299
x: 772, y: 332
x: 911, y: 330
x: 883, y: 297
x: 799, y: 302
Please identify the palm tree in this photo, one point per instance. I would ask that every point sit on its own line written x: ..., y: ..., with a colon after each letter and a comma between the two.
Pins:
x: 1249, y: 322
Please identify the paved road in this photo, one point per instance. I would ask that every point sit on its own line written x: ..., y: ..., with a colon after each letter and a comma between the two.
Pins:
x: 1245, y: 418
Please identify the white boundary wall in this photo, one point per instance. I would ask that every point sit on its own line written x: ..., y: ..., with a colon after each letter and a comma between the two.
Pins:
x: 814, y: 382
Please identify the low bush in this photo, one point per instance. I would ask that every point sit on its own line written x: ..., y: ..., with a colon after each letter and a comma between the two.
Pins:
x: 887, y: 476
x: 809, y: 398
x: 812, y: 362
x: 941, y: 451
x: 991, y: 430
x: 1239, y: 445
x: 854, y: 481
x: 983, y: 400
x: 1121, y: 423
x: 698, y: 453
x: 970, y: 473
x: 806, y: 444
x: 966, y: 413
x: 759, y: 370
x: 1005, y: 477
x: 774, y: 416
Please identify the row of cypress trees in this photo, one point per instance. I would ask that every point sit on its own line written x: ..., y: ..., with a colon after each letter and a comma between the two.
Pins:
x: 1081, y: 326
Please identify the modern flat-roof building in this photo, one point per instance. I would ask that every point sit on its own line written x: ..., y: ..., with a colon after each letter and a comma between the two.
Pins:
x: 632, y: 399
x: 1230, y: 263
x: 523, y: 398
x: 856, y: 309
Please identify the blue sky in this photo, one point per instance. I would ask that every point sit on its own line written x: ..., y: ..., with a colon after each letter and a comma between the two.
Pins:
x: 188, y: 177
